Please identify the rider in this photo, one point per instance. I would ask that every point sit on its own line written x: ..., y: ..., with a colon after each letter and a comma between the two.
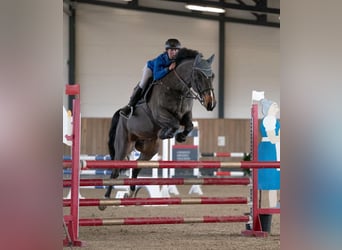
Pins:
x: 158, y: 68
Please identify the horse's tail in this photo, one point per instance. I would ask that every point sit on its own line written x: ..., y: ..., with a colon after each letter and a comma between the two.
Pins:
x: 112, y: 132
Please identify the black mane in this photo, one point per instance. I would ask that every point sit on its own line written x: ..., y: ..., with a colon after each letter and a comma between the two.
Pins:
x: 185, y: 53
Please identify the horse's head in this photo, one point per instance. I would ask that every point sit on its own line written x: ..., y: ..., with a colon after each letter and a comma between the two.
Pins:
x: 201, y: 82
x: 195, y: 74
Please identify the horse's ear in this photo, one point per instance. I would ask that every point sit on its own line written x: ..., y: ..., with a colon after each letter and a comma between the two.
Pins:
x: 210, y: 59
x: 198, y: 59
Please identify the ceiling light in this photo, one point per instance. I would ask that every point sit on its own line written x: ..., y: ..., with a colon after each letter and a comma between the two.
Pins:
x: 204, y: 8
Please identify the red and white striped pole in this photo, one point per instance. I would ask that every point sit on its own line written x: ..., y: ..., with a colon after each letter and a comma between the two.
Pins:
x: 159, y: 201
x: 159, y: 181
x: 223, y: 154
x: 162, y: 220
x: 172, y: 164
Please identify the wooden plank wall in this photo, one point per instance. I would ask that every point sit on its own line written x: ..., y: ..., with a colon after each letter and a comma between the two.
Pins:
x: 236, y: 131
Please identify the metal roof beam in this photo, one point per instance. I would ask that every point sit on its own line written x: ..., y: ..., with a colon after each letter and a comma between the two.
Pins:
x: 137, y: 7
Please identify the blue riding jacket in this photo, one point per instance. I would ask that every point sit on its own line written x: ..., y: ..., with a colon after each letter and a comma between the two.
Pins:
x: 159, y: 66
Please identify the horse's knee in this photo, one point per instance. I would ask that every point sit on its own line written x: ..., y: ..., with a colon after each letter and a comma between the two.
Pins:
x: 166, y: 133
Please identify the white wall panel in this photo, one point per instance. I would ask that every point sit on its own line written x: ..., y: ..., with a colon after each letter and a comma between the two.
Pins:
x: 65, y: 56
x: 252, y: 63
x: 114, y: 44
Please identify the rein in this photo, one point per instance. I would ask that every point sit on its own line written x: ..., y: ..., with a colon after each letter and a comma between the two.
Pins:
x: 191, y: 93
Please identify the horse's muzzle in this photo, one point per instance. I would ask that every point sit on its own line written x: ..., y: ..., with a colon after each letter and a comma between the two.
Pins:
x: 209, y: 101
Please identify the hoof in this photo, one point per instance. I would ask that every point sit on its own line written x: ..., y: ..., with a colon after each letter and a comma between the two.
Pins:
x: 102, y: 208
x: 180, y: 137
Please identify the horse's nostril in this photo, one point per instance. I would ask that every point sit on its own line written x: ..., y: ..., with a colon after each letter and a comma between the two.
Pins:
x: 212, y: 105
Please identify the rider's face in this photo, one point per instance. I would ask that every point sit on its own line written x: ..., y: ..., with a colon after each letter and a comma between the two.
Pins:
x: 172, y: 53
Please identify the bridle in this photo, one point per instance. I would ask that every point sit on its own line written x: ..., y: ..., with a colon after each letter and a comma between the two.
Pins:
x: 198, y: 93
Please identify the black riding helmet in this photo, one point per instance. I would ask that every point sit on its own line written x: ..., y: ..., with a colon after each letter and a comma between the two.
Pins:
x: 172, y: 43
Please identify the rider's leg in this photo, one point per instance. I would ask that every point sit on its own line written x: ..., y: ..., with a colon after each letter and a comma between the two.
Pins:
x: 147, y: 74
x: 137, y: 93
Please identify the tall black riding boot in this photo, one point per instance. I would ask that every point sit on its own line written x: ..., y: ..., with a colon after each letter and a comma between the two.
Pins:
x: 127, y: 111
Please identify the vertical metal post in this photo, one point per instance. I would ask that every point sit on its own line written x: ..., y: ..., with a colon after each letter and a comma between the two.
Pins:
x: 72, y: 53
x: 221, y: 73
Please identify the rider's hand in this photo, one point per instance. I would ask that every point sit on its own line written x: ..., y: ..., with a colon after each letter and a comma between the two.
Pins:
x: 172, y: 66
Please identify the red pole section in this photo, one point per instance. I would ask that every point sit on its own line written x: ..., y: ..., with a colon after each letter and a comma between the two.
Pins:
x: 260, y: 164
x: 160, y: 181
x: 162, y: 220
x: 91, y: 222
x: 159, y: 201
x: 72, y: 89
x: 269, y: 210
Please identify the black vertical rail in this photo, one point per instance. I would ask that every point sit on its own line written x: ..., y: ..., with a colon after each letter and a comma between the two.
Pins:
x: 72, y: 53
x: 251, y: 133
x: 221, y: 67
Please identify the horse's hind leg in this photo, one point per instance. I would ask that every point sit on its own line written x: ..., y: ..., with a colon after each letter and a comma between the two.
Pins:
x: 121, y: 146
x: 147, y: 150
x: 132, y: 188
x: 114, y: 175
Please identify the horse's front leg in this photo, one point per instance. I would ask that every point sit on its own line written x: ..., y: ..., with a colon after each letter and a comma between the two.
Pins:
x: 188, y: 126
x: 169, y: 127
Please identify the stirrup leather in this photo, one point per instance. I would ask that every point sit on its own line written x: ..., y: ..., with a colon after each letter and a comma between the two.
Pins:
x: 124, y: 112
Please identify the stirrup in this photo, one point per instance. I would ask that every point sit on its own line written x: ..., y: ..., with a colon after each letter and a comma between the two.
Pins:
x: 125, y: 115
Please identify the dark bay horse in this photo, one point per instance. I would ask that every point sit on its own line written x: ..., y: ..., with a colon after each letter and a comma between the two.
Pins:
x: 167, y: 108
